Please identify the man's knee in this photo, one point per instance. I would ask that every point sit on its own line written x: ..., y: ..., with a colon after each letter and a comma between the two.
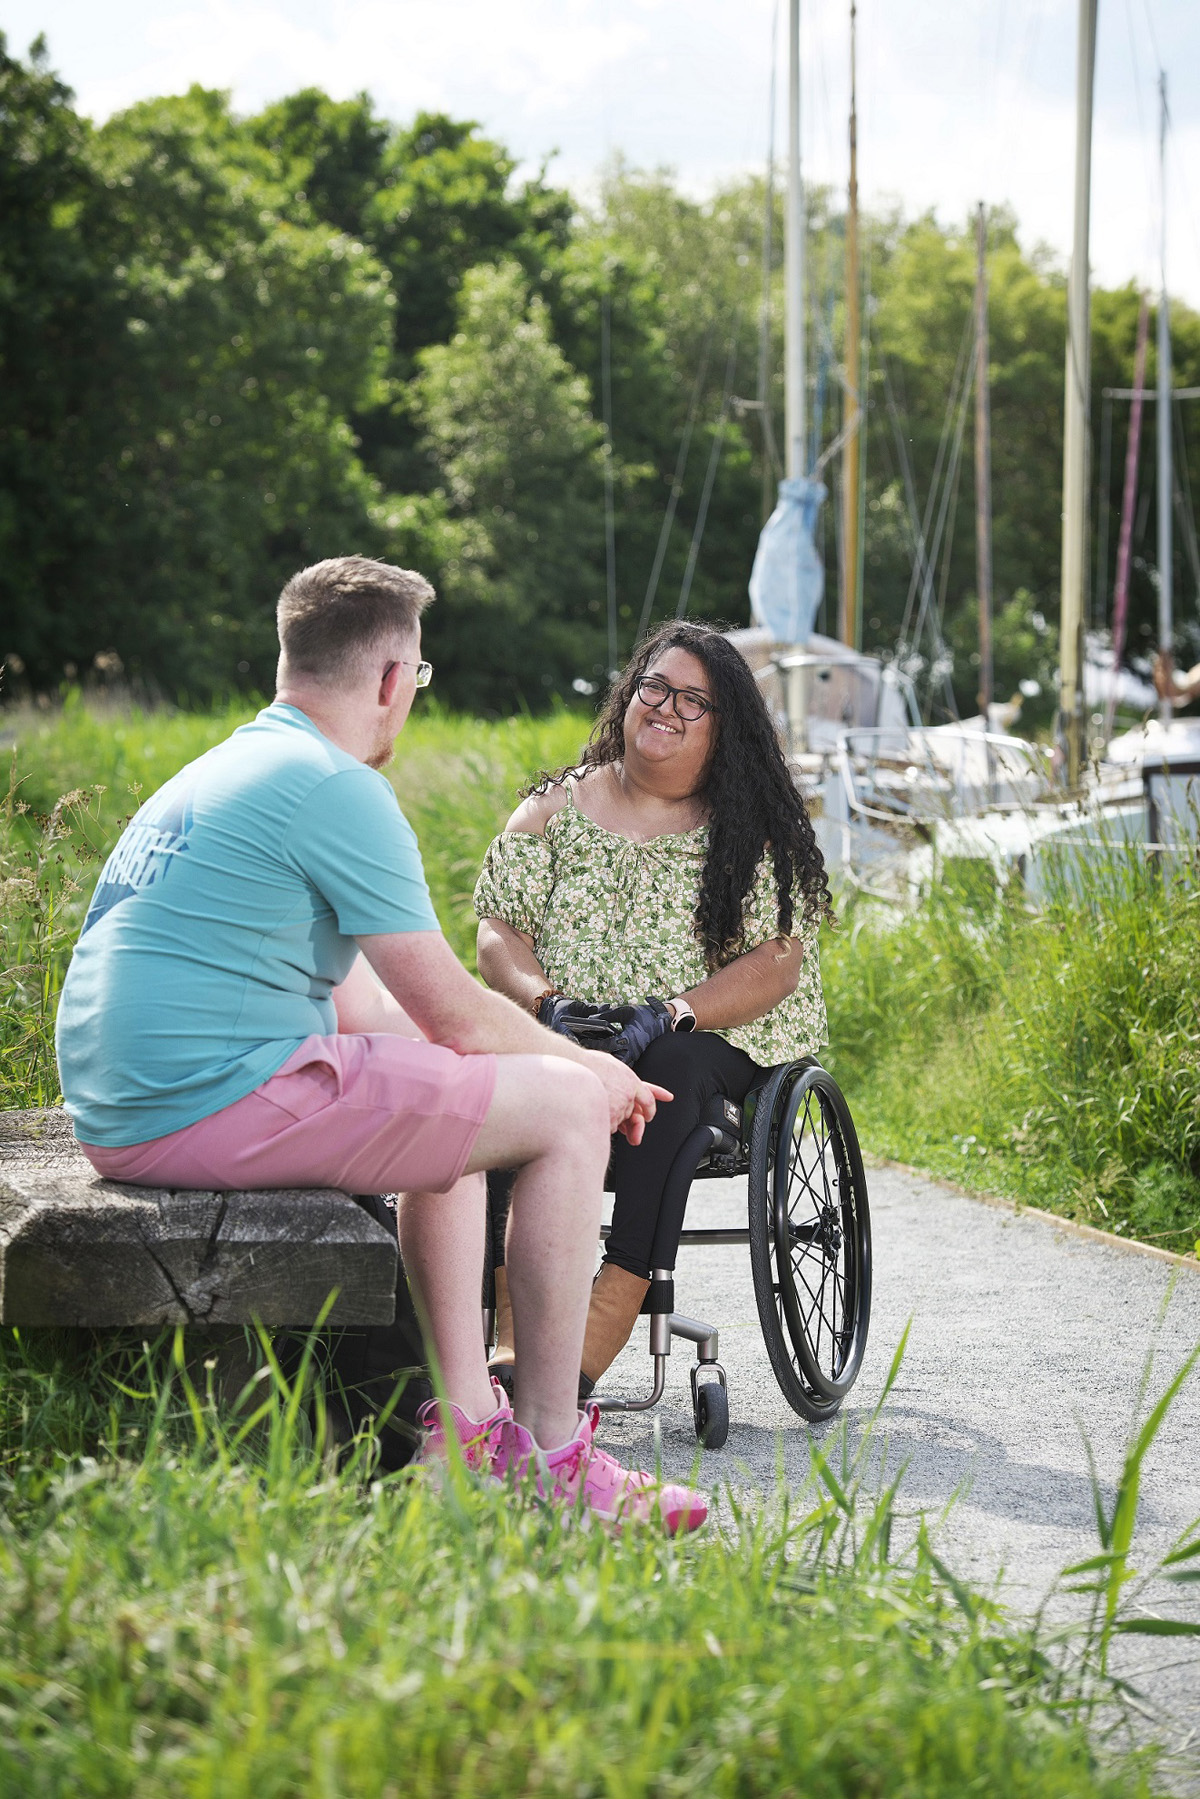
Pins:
x: 573, y: 1120
x: 582, y: 1107
x: 543, y: 1106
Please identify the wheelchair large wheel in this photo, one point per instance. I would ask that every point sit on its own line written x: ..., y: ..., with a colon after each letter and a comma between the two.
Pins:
x: 810, y: 1237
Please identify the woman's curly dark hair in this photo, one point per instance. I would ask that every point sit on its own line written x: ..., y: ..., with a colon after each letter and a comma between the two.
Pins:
x: 752, y: 801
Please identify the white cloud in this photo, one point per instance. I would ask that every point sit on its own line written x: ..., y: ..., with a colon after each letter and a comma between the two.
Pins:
x: 958, y: 99
x: 539, y: 55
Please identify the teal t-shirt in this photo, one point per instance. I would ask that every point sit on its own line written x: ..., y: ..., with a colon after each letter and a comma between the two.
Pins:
x: 221, y: 923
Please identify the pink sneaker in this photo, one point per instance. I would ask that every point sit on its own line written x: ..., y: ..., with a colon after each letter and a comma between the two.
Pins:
x: 580, y: 1474
x: 479, y: 1441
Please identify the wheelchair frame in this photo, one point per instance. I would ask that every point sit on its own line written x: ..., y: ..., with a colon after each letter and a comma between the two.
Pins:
x: 809, y: 1235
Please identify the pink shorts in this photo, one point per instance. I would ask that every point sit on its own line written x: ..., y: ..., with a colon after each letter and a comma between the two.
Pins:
x: 368, y: 1114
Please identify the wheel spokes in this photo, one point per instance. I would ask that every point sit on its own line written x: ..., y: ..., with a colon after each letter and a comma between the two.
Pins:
x: 819, y: 1222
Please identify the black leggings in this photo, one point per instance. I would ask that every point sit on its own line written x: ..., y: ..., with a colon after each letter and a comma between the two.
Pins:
x: 695, y: 1066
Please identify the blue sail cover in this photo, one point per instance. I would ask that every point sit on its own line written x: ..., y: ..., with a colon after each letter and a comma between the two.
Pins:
x: 788, y: 577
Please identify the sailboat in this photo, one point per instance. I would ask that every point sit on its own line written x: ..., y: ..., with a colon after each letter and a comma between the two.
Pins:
x: 815, y: 685
x: 1163, y: 754
x: 892, y: 796
x: 874, y: 775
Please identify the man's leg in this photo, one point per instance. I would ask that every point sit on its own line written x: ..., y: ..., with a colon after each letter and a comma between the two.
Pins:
x: 549, y: 1120
x: 441, y: 1241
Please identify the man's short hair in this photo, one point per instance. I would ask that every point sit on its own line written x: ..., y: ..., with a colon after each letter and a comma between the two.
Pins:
x: 332, y: 616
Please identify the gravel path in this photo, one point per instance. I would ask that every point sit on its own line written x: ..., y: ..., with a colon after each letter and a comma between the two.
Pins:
x: 1024, y: 1338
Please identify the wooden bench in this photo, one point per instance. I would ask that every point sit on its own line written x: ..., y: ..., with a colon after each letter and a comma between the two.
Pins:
x: 76, y: 1250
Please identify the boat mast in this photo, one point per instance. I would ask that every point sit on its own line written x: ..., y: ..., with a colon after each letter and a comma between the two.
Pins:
x: 1128, y: 502
x: 850, y: 454
x: 983, y: 469
x: 796, y: 460
x: 1165, y: 471
x: 1075, y: 421
x: 770, y: 456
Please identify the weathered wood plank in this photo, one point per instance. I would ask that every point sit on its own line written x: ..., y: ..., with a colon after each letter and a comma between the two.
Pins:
x: 77, y: 1250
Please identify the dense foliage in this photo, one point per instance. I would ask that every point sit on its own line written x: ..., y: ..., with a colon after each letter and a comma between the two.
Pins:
x: 1049, y: 1055
x: 230, y: 345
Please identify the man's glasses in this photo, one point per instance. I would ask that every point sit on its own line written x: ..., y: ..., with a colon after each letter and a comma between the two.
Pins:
x: 688, y: 705
x: 424, y: 670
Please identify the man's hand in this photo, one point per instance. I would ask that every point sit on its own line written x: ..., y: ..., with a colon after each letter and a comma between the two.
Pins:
x: 448, y: 1007
x: 631, y: 1103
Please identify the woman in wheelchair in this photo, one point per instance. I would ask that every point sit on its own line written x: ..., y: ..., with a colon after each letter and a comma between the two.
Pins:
x: 662, y: 900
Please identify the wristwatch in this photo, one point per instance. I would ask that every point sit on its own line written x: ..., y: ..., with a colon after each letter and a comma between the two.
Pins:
x: 684, y: 1017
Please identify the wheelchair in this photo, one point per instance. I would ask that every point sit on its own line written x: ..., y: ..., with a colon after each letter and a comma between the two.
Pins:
x: 809, y: 1234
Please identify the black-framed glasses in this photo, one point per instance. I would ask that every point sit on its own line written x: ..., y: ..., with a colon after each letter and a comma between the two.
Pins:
x: 686, y: 703
x: 424, y: 670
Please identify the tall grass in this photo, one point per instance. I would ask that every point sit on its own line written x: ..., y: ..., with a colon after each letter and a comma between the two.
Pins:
x: 198, y: 1609
x: 1051, y: 1055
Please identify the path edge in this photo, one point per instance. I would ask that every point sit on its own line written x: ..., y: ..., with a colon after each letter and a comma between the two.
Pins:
x: 1018, y: 1209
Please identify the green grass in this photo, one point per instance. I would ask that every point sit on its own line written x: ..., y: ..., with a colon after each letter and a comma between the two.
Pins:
x: 186, y: 1616
x: 195, y: 1605
x: 1052, y: 1057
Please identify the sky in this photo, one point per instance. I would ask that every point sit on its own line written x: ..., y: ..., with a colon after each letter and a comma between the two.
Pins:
x: 958, y: 100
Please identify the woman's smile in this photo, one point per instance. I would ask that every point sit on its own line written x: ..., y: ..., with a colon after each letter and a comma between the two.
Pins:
x: 649, y: 729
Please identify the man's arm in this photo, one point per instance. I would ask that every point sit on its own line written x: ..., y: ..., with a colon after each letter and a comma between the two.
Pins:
x: 365, y: 1006
x: 450, y: 1008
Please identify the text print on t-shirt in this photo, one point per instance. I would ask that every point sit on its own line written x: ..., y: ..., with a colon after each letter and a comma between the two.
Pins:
x: 143, y: 855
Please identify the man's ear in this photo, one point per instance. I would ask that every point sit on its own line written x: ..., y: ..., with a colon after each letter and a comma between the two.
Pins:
x: 393, y: 674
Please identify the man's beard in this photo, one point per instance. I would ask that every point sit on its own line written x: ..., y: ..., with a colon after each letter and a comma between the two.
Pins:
x: 384, y: 751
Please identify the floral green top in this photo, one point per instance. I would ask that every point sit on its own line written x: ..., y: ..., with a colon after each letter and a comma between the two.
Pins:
x: 611, y: 921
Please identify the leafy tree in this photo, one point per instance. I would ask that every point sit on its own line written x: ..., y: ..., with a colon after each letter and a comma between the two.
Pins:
x: 329, y: 154
x: 431, y: 201
x: 228, y: 346
x: 213, y: 454
x: 53, y: 306
x: 249, y: 341
x: 507, y: 423
x: 922, y: 332
x: 681, y: 285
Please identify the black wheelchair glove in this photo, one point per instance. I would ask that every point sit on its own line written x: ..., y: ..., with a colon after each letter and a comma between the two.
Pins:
x: 585, y: 1024
x: 639, y: 1026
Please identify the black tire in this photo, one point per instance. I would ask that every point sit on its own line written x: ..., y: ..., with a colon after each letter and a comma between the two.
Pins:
x: 810, y: 1237
x: 712, y: 1415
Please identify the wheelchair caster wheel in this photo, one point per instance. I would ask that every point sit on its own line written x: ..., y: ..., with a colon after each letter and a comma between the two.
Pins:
x: 712, y: 1415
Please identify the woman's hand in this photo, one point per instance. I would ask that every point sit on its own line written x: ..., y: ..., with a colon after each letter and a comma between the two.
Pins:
x: 635, y: 1028
x: 588, y: 1025
x: 625, y: 1032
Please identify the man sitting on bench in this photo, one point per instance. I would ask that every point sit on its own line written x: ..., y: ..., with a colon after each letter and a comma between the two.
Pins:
x: 261, y: 997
